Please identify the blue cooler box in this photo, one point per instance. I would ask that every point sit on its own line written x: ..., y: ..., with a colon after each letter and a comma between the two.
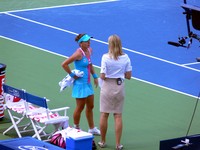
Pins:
x: 79, y: 140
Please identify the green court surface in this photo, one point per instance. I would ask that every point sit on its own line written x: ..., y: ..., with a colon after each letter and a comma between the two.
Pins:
x: 29, y: 4
x: 151, y: 113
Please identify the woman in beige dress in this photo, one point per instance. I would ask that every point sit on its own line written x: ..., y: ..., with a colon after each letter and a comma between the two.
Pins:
x: 115, y: 68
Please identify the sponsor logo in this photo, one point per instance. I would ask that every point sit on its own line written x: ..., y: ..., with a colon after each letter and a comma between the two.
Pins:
x: 29, y: 147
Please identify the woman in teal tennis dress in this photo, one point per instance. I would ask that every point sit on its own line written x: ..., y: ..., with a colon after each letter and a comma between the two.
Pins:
x: 82, y: 87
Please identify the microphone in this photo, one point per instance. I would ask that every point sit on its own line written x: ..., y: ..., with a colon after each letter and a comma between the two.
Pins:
x: 174, y: 44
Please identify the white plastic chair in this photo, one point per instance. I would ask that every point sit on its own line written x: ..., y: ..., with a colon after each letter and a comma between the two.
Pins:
x: 15, y: 105
x: 42, y: 116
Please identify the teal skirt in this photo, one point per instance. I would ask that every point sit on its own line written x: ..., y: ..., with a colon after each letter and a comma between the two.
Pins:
x: 82, y: 90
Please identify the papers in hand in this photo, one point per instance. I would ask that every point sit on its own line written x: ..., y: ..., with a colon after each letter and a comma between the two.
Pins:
x: 68, y: 81
x: 100, y: 81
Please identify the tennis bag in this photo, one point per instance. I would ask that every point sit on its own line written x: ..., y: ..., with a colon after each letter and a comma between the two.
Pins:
x: 58, y: 140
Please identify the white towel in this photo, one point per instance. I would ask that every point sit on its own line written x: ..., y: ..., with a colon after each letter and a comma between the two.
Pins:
x: 68, y: 81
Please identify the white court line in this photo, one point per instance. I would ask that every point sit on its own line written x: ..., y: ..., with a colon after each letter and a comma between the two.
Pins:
x: 69, y: 5
x: 146, y: 55
x: 45, y: 50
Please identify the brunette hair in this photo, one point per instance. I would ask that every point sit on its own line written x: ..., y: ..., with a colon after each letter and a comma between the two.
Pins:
x: 115, y: 46
x: 79, y: 36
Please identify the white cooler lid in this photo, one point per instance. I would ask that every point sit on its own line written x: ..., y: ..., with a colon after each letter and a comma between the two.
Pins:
x: 78, y: 134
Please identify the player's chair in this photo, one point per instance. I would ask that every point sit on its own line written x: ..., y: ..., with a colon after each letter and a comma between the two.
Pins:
x: 15, y: 106
x: 42, y: 116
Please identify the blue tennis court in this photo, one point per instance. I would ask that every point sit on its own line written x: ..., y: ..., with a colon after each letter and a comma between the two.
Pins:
x: 145, y: 27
